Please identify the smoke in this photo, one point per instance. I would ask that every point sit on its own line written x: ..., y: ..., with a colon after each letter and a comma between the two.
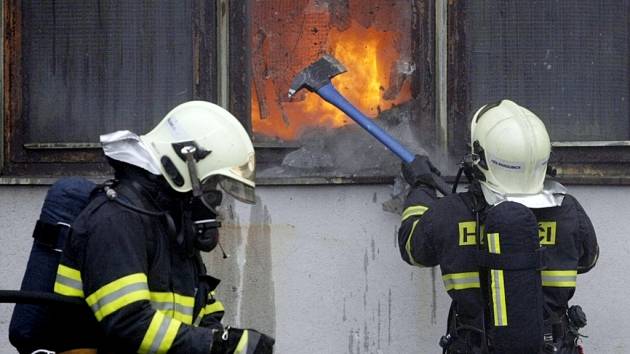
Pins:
x: 350, y: 151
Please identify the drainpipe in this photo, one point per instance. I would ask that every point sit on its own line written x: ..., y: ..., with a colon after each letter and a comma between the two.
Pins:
x: 223, y: 54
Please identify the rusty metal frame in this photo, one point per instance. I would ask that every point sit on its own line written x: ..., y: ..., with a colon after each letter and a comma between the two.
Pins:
x: 596, y: 163
x: 20, y: 158
x: 239, y: 70
x: 2, y: 139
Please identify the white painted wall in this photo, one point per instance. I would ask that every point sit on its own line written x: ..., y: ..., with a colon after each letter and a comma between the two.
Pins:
x: 319, y: 268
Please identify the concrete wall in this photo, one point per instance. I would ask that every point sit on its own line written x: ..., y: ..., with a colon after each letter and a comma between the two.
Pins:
x: 319, y: 268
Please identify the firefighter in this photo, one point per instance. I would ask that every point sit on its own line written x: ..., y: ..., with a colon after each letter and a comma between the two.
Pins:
x: 134, y: 252
x: 509, y: 193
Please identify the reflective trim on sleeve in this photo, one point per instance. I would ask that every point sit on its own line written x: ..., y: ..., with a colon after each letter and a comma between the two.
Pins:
x: 160, y: 335
x: 216, y: 306
x: 175, y: 305
x: 460, y: 281
x: 68, y: 282
x: 497, y: 285
x: 118, y: 294
x: 408, y: 245
x: 242, y: 344
x: 415, y: 210
x: 559, y: 278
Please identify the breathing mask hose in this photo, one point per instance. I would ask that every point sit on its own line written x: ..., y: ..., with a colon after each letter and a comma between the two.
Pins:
x: 112, y: 195
x: 457, y: 177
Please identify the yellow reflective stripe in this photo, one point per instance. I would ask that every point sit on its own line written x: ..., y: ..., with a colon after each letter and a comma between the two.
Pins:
x: 175, y: 305
x: 498, y: 298
x: 67, y: 291
x: 160, y: 335
x: 242, y: 344
x: 497, y: 284
x: 118, y: 294
x: 460, y: 281
x: 68, y: 282
x: 214, y: 307
x: 169, y: 336
x: 494, y: 246
x: 161, y: 296
x: 184, y: 300
x: 408, y: 245
x: 69, y: 272
x: 559, y: 278
x: 413, y: 211
x: 115, y: 286
x: 163, y: 301
x: 149, y: 336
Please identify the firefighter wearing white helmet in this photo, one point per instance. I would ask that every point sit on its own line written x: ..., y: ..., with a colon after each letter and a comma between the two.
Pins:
x: 508, y: 296
x: 201, y: 145
x: 510, y: 149
x: 135, y: 248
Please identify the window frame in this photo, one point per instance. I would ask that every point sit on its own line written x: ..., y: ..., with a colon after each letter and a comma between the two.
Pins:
x: 605, y: 162
x: 27, y: 163
x: 240, y: 101
x: 576, y: 162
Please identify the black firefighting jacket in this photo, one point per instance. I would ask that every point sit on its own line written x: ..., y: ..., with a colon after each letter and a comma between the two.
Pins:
x: 441, y: 231
x: 145, y: 293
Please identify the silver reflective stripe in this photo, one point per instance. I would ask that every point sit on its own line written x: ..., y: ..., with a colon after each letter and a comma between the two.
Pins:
x: 459, y: 281
x: 559, y: 278
x: 159, y: 336
x: 252, y: 341
x: 170, y: 306
x: 69, y: 282
x: 496, y: 279
x: 105, y: 300
x: 163, y: 306
x: 183, y: 309
x: 498, y: 297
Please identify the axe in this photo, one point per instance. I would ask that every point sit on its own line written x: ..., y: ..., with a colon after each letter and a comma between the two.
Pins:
x: 316, y: 78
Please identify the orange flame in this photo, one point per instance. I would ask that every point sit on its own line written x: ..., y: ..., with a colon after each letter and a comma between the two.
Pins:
x: 369, y: 55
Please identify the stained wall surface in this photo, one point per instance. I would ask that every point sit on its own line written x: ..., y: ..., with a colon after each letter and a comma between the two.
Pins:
x: 319, y: 268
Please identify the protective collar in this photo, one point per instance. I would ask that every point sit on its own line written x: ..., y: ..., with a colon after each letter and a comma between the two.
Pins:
x: 551, y: 196
x: 126, y: 146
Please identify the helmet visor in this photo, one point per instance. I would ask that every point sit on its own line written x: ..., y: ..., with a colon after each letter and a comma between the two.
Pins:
x: 239, y: 190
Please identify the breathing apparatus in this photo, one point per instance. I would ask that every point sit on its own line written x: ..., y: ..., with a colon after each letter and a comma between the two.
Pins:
x: 201, y: 150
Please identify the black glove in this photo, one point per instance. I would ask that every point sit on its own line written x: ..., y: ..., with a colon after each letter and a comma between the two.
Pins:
x: 420, y: 172
x: 226, y: 341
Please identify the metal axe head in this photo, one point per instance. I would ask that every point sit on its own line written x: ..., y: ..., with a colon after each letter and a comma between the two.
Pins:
x: 317, y: 74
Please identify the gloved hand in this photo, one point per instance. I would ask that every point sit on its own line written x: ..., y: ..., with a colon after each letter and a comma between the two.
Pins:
x: 228, y: 340
x: 419, y: 172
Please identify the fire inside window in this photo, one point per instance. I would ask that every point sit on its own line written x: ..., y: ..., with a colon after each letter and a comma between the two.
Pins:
x: 375, y: 42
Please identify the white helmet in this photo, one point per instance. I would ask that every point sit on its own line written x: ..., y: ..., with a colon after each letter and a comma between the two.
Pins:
x: 199, y: 146
x: 511, y: 149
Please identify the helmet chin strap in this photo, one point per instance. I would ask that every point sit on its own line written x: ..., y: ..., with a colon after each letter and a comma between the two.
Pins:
x: 189, y: 152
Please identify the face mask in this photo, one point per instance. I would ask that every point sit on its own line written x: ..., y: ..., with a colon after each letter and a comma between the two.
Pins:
x: 200, y: 225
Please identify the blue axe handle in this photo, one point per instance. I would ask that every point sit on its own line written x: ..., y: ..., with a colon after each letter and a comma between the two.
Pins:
x: 331, y: 95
